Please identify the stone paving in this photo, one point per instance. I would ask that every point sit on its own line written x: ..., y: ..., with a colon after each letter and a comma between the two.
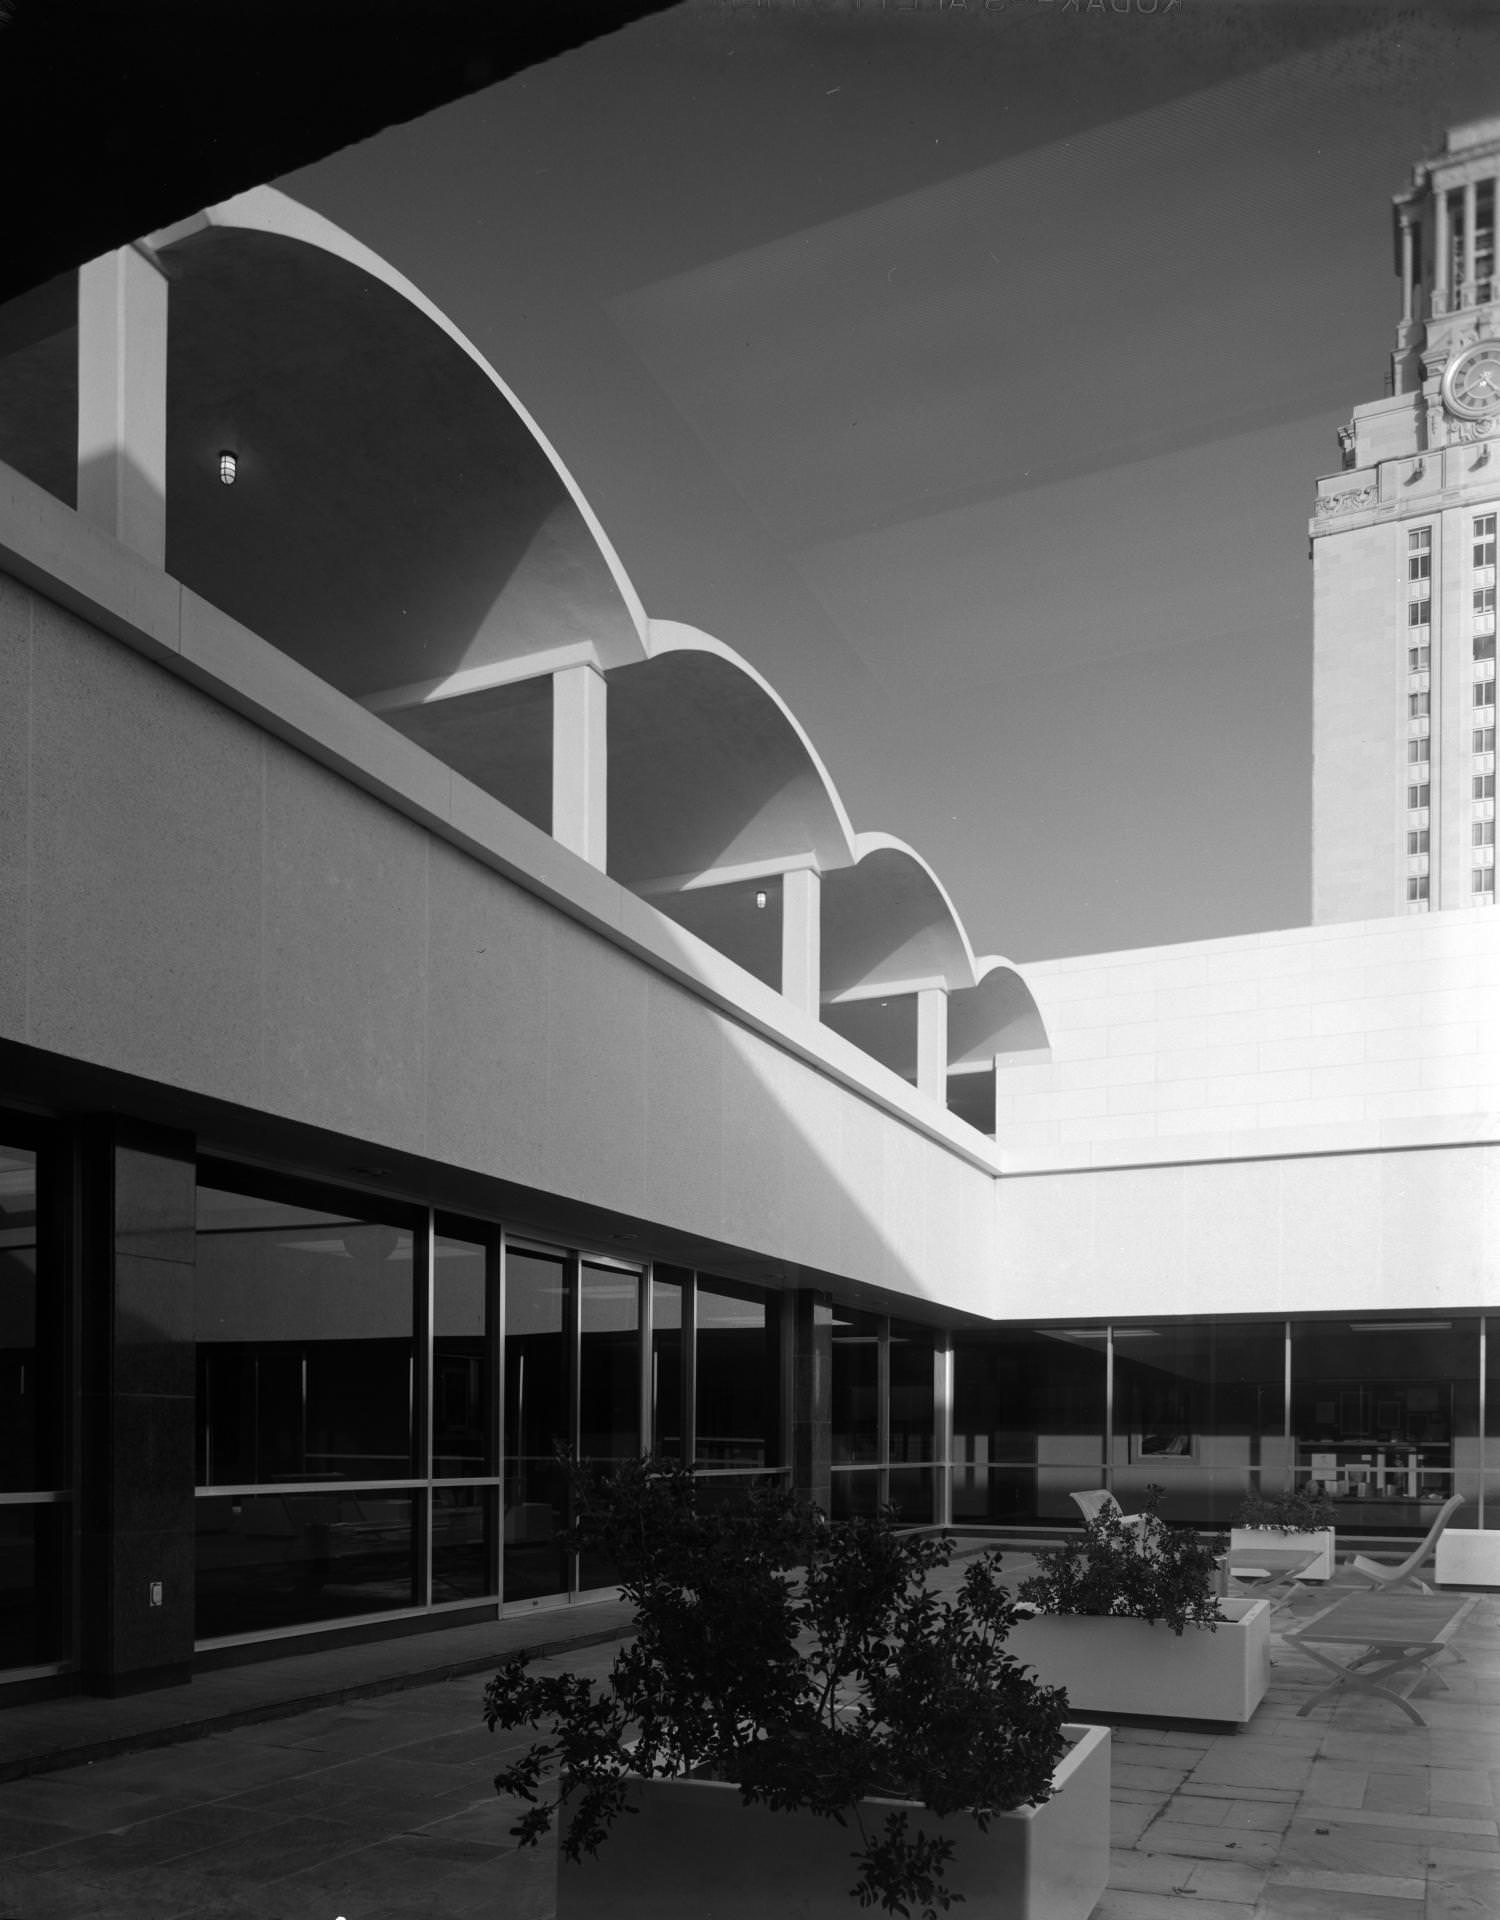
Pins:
x: 381, y: 1809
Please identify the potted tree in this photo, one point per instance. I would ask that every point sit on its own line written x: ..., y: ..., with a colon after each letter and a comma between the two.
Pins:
x: 1129, y: 1621
x: 1289, y: 1517
x: 798, y: 1719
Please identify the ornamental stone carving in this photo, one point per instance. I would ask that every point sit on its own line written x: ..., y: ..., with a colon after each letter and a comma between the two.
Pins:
x: 1351, y: 500
x: 1473, y: 429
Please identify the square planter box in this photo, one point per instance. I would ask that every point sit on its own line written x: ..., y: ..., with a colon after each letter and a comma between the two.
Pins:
x: 1277, y: 1537
x: 1468, y: 1557
x: 1118, y: 1665
x: 693, y: 1848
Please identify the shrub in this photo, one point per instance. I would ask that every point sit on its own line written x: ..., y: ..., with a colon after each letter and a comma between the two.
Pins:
x: 805, y: 1661
x: 1157, y: 1573
x: 1292, y: 1510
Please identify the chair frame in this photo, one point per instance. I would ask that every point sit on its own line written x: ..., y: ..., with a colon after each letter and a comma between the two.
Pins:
x: 1404, y: 1573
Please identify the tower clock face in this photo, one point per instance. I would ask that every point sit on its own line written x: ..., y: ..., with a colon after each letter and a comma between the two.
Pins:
x: 1471, y: 385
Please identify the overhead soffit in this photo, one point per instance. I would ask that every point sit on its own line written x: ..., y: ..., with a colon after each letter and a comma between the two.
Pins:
x: 997, y: 1016
x: 394, y: 520
x: 886, y: 923
x: 706, y: 770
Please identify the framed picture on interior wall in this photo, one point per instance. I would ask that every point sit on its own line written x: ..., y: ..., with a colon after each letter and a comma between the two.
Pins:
x: 1163, y: 1443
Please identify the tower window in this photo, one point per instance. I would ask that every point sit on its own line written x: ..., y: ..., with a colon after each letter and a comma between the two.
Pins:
x: 1484, y: 786
x: 1419, y: 540
x: 1418, y: 703
x: 1484, y: 693
x: 1484, y: 540
x: 1484, y: 880
x: 1416, y: 887
x: 1422, y: 795
x: 1484, y: 739
x: 1419, y: 613
x: 1419, y: 567
x: 1418, y: 659
x: 1484, y: 646
x: 1419, y: 841
x: 1419, y: 749
x: 1484, y: 833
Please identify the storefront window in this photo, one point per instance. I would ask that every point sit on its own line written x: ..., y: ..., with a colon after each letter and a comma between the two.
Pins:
x: 667, y: 1285
x: 856, y: 1387
x: 462, y: 1388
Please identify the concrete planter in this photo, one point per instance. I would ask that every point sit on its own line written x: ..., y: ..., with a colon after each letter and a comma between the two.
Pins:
x: 1119, y: 1665
x: 1468, y: 1557
x: 694, y: 1849
x: 1278, y: 1537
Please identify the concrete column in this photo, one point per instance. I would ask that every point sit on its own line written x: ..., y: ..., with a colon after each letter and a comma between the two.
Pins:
x: 1408, y: 277
x: 932, y: 1043
x: 580, y: 762
x: 136, y: 1508
x: 122, y: 400
x: 801, y: 939
x: 1470, y: 293
x: 1440, y: 241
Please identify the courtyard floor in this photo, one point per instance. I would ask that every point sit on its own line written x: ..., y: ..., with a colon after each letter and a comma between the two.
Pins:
x: 380, y: 1807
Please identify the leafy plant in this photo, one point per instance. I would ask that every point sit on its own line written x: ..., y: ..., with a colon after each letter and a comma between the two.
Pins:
x: 1305, y: 1509
x: 806, y: 1661
x: 1140, y: 1567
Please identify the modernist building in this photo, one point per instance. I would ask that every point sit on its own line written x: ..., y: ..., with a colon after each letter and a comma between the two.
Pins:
x: 447, y: 1013
x: 1403, y: 542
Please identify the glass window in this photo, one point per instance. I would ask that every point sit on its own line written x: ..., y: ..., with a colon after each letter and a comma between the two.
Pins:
x: 667, y: 1285
x: 538, y: 1422
x: 1484, y: 600
x: 305, y: 1345
x: 1484, y: 540
x: 913, y: 1419
x: 1484, y: 833
x: 1484, y: 786
x: 856, y: 1387
x: 1416, y: 887
x: 1484, y: 646
x: 463, y: 1527
x: 1419, y: 796
x: 736, y: 1377
x: 1419, y: 613
x: 34, y: 1613
x: 1484, y: 739
x: 609, y: 1390
x: 1418, y: 842
x: 1417, y: 750
x: 31, y: 1342
x: 1419, y: 567
x: 1419, y: 539
x: 462, y: 1439
x: 1028, y: 1422
x: 1418, y: 703
x: 1199, y: 1411
x: 1418, y: 659
x: 1385, y: 1411
x: 268, y: 1560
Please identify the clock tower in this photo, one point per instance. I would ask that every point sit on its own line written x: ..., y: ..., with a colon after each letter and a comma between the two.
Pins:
x: 1403, y: 545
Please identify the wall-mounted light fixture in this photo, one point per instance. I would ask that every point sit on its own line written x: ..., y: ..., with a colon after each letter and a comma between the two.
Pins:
x: 229, y: 467
x: 760, y: 899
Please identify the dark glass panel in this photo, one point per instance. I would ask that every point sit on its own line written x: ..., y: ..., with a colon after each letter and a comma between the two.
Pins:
x: 270, y: 1560
x: 991, y: 1495
x: 609, y: 1396
x: 666, y: 1361
x: 537, y: 1422
x: 911, y: 1494
x: 736, y: 1377
x: 913, y: 1416
x: 716, y: 1490
x: 305, y: 1348
x: 1031, y: 1396
x: 461, y: 1440
x: 1199, y: 1411
x: 31, y: 1342
x: 1385, y: 1413
x: 856, y: 1386
x: 853, y: 1492
x: 463, y: 1531
x: 34, y: 1610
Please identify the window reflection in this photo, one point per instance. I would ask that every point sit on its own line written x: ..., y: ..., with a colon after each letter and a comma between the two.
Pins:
x: 736, y: 1377
x: 667, y: 1285
x: 537, y: 1424
x: 461, y: 1387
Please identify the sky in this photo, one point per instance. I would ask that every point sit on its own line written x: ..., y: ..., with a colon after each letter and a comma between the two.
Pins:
x: 969, y: 370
